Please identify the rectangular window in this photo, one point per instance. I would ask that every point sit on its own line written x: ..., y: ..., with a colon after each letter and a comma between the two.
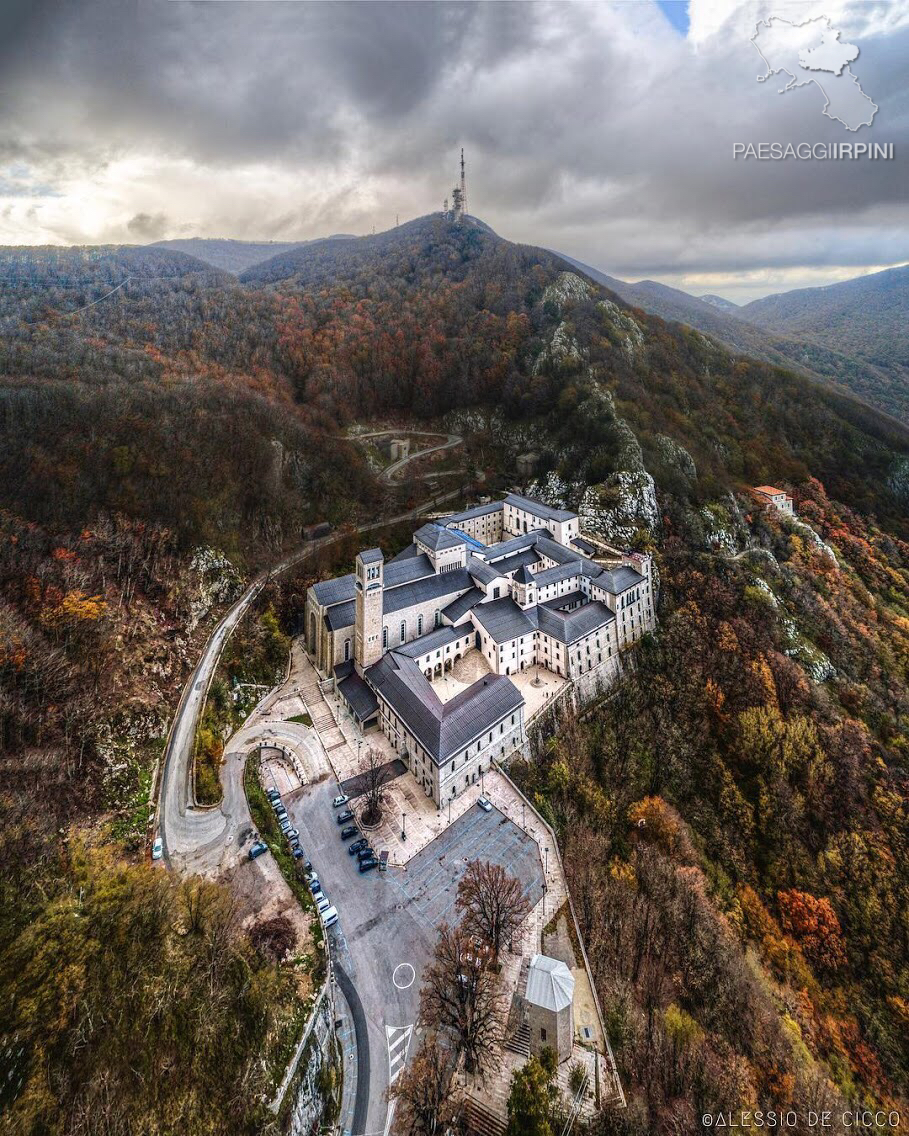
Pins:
x: 403, y: 630
x: 384, y: 638
x: 419, y: 625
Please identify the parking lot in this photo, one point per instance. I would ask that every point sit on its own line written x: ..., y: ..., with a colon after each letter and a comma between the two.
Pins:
x: 389, y: 921
x: 430, y: 880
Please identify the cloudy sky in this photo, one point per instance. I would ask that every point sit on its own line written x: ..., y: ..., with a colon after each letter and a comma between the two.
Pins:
x: 602, y: 130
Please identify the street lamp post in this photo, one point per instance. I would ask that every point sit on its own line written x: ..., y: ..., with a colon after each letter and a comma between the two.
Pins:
x: 524, y: 815
x: 449, y: 810
x: 403, y: 832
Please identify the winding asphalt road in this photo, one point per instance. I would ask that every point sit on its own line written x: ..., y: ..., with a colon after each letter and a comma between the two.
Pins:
x: 196, y: 839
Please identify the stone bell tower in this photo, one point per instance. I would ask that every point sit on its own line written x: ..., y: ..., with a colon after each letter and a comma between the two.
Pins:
x: 370, y: 587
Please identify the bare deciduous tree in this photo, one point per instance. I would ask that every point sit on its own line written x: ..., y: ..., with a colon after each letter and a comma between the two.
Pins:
x: 425, y: 1105
x: 492, y: 902
x: 461, y: 997
x: 374, y: 775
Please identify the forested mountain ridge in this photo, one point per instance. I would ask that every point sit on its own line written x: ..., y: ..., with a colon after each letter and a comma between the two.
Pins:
x: 234, y: 256
x: 143, y: 427
x: 865, y: 318
x: 810, y: 351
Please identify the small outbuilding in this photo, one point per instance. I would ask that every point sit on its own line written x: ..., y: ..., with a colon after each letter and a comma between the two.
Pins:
x: 549, y: 999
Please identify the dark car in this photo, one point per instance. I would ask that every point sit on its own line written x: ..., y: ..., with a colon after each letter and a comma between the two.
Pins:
x: 368, y: 865
x: 347, y: 833
x: 273, y: 794
x: 257, y: 849
x: 365, y: 853
x: 344, y: 817
x: 357, y: 846
x: 298, y: 852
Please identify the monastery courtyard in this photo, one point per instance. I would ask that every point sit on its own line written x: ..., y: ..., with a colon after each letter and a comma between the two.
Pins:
x: 537, y: 685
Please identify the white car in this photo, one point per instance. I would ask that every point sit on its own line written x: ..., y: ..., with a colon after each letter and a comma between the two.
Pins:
x: 485, y: 805
x: 339, y: 801
x: 158, y: 849
x: 322, y: 903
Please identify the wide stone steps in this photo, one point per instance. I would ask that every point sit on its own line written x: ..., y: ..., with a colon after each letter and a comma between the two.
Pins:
x: 519, y: 1042
x: 481, y: 1122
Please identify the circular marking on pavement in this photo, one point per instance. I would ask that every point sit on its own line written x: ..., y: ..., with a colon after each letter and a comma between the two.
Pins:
x: 403, y: 976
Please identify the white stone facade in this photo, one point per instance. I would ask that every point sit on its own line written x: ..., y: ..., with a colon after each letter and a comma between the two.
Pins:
x: 525, y: 597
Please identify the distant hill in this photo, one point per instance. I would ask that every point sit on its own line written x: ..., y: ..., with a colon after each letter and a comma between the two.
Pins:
x: 720, y: 302
x: 335, y: 259
x: 234, y: 256
x: 818, y: 355
x: 867, y: 318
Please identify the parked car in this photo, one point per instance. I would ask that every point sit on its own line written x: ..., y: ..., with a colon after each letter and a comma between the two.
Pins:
x: 323, y: 903
x: 329, y: 917
x: 273, y: 794
x: 292, y: 833
x: 158, y: 849
x: 365, y: 854
x: 340, y: 800
x: 314, y: 886
x: 357, y: 845
x: 368, y: 865
x: 257, y: 849
x: 285, y: 827
x: 344, y: 817
x: 298, y: 852
x: 484, y: 804
x: 347, y: 833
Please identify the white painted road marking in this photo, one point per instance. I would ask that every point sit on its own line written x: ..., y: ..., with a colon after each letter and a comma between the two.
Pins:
x: 403, y: 976
x: 397, y: 1038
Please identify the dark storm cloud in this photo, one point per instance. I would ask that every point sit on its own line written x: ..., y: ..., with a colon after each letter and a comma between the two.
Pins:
x: 591, y: 127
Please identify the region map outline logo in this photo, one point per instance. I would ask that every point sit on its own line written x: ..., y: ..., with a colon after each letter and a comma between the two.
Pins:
x: 802, y: 58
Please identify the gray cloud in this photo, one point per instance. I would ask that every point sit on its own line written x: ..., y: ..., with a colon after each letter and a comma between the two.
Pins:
x: 592, y: 128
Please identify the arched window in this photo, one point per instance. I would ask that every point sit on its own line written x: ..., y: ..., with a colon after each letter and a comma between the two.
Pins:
x: 419, y: 625
x: 346, y: 650
x: 438, y: 618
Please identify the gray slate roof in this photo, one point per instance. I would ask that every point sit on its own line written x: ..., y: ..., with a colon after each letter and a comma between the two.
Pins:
x: 557, y: 552
x: 503, y: 620
x: 550, y: 983
x: 437, y: 538
x: 435, y: 640
x: 435, y: 587
x: 335, y: 591
x: 544, y: 512
x: 474, y: 511
x: 481, y: 571
x: 514, y: 544
x: 407, y: 570
x: 359, y: 697
x: 523, y: 575
x: 618, y: 580
x: 371, y: 555
x: 519, y: 560
x: 443, y: 729
x: 560, y: 572
x: 583, y: 545
x: 341, y: 615
x: 462, y: 604
x: 570, y: 626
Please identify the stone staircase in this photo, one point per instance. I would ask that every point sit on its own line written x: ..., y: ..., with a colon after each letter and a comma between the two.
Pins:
x: 519, y: 1041
x: 481, y: 1122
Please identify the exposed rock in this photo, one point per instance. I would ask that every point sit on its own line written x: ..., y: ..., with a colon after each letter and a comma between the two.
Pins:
x: 565, y: 288
x: 676, y: 456
x: 216, y: 581
x: 628, y: 330
x: 562, y: 351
